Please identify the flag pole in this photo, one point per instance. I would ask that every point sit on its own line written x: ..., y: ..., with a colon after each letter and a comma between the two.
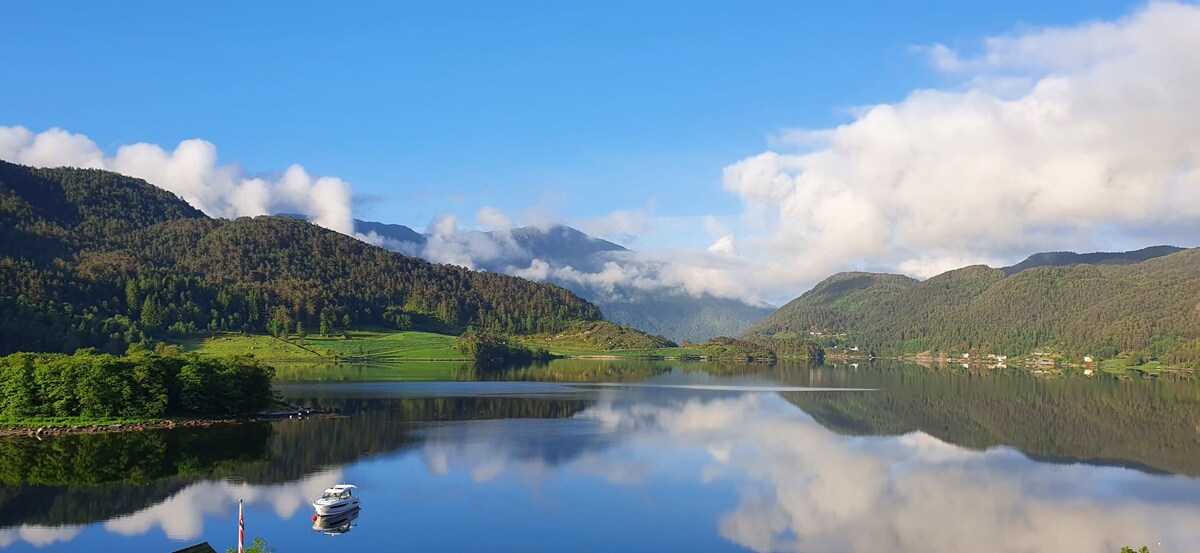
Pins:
x: 241, y: 529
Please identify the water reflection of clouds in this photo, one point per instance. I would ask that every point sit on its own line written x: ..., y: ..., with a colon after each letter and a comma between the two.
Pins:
x: 38, y: 536
x: 798, y: 486
x: 181, y: 516
x: 807, y: 489
x: 803, y: 488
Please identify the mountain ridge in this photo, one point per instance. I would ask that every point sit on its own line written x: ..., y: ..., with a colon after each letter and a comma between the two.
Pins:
x: 1064, y: 258
x: 1145, y: 309
x: 95, y: 258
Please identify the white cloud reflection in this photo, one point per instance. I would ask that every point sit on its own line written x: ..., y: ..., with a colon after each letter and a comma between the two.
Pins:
x: 181, y: 517
x: 803, y: 488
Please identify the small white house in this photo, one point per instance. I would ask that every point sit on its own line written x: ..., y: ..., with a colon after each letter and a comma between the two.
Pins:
x: 1087, y: 358
x: 966, y: 355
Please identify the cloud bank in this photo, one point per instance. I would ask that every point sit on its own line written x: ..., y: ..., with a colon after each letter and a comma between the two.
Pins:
x: 193, y: 172
x: 1053, y: 138
x: 1081, y: 137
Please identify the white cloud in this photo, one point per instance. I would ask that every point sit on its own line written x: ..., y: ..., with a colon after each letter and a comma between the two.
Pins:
x: 193, y: 172
x: 724, y: 246
x: 624, y: 226
x: 446, y: 243
x: 493, y: 219
x: 1052, y: 137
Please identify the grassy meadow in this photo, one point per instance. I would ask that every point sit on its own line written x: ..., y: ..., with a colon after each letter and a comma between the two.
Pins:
x: 356, y: 345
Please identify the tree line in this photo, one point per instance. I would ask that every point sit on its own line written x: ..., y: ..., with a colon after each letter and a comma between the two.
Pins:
x: 142, y: 385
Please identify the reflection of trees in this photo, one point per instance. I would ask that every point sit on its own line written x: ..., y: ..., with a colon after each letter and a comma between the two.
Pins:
x: 1150, y: 425
x: 580, y: 370
x: 83, y: 478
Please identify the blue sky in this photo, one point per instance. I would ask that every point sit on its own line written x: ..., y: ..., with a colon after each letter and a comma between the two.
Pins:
x: 746, y: 149
x: 589, y: 107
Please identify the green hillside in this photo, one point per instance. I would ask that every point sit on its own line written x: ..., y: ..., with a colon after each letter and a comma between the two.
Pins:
x: 1149, y: 310
x: 92, y: 258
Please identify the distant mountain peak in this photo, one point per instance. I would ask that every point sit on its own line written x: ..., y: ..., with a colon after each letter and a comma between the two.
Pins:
x: 560, y: 237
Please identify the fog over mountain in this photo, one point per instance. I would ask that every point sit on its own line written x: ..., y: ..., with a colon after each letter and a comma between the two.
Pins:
x: 623, y: 283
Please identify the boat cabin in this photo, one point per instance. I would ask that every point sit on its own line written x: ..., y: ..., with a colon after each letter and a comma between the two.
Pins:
x: 340, y: 491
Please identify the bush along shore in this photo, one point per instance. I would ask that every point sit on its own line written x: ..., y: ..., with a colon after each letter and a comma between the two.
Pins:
x: 50, y: 393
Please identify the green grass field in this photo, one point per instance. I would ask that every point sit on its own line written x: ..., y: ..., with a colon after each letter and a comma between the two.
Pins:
x: 361, y: 345
x: 389, y: 347
x: 1121, y: 366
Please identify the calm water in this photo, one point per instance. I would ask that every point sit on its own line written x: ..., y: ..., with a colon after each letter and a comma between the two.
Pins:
x: 645, y: 457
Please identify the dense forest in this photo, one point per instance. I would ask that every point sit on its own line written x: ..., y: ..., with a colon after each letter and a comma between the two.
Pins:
x: 91, y: 258
x: 142, y: 385
x: 1149, y: 309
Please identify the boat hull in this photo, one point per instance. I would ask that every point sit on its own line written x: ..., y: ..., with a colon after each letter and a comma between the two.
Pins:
x: 335, y: 508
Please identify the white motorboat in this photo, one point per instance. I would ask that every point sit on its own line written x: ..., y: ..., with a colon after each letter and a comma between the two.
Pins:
x: 337, y: 500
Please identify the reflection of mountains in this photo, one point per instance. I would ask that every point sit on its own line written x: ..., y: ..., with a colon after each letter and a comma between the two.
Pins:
x: 84, y: 478
x: 1151, y: 426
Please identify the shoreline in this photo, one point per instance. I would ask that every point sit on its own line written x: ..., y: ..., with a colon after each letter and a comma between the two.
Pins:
x: 48, y: 430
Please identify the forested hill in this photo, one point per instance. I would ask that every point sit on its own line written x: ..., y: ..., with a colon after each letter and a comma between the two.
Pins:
x: 93, y: 258
x: 1059, y: 259
x: 1150, y: 308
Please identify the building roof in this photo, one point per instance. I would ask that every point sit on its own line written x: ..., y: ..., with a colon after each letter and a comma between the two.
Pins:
x: 202, y: 547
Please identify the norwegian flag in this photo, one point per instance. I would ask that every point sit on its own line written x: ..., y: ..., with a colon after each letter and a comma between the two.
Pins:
x: 241, y: 529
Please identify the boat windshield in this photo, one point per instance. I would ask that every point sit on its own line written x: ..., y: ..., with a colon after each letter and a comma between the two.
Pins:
x: 344, y: 494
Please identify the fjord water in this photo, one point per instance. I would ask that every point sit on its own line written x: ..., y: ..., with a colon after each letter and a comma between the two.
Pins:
x: 645, y: 456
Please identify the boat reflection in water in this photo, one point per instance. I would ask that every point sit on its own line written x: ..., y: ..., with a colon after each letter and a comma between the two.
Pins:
x: 336, y: 525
